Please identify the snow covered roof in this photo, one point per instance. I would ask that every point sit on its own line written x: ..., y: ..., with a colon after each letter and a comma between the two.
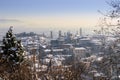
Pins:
x: 80, y: 48
x: 49, y: 56
x: 111, y: 39
x: 54, y: 50
x: 43, y: 46
x: 85, y: 39
x: 68, y: 44
x: 57, y: 50
x: 98, y: 74
x: 43, y: 38
x: 96, y: 41
x: 99, y: 58
x: 93, y: 71
x: 47, y: 50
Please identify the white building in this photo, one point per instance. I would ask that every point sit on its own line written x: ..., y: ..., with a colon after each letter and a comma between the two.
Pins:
x: 80, y: 53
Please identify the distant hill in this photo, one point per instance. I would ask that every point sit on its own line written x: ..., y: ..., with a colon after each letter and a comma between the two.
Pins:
x: 24, y: 34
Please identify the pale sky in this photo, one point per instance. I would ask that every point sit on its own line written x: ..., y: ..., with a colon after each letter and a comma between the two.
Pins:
x: 46, y: 15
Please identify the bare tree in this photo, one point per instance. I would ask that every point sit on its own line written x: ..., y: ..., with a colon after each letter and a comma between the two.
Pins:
x: 110, y: 27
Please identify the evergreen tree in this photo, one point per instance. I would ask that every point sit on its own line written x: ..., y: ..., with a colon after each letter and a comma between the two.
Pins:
x: 12, y: 49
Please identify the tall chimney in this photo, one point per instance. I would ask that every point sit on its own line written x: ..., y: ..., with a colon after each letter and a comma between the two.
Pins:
x: 60, y: 33
x: 51, y: 34
x: 80, y: 31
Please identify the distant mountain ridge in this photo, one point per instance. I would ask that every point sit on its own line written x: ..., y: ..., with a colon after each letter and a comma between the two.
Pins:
x: 24, y: 34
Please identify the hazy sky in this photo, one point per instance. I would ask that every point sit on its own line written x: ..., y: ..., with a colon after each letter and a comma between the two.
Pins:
x: 44, y: 15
